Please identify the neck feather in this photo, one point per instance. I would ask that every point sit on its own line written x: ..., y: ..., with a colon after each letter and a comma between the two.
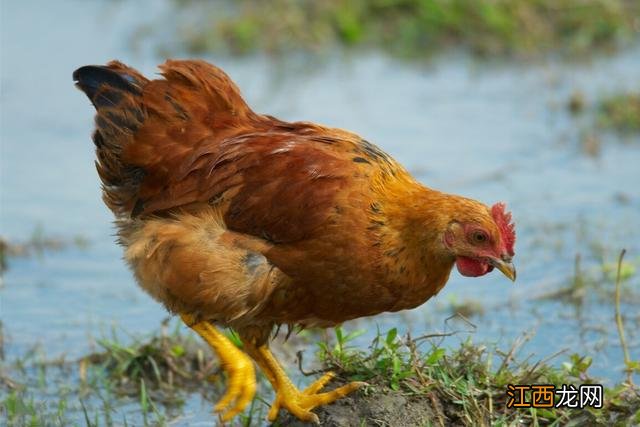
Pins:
x: 413, y: 220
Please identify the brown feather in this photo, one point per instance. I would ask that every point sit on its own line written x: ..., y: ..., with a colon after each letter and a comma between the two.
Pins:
x: 251, y: 221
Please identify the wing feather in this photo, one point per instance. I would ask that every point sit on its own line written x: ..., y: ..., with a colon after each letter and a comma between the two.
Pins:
x: 200, y: 141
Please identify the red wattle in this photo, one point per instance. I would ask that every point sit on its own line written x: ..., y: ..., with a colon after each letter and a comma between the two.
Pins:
x: 471, y: 267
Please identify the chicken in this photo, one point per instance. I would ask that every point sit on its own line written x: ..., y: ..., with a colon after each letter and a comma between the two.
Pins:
x: 241, y: 220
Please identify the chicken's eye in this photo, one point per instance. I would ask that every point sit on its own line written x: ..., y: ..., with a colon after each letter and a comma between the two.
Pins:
x: 479, y: 237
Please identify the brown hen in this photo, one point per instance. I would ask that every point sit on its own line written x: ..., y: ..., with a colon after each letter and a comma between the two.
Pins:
x: 239, y: 219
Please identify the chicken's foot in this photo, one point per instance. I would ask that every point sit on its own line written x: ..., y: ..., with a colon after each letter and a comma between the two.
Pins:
x: 238, y: 366
x: 299, y: 403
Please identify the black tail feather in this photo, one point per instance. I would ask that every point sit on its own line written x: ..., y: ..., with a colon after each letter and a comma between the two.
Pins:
x: 103, y: 85
x: 116, y: 92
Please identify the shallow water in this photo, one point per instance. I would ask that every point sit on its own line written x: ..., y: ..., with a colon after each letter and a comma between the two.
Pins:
x: 491, y: 132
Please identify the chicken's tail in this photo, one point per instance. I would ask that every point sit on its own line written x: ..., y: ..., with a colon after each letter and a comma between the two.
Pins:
x: 150, y: 133
x: 116, y: 92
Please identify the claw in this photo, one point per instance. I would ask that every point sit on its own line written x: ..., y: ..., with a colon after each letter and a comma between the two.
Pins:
x: 300, y: 403
x: 242, y: 379
x: 319, y: 384
x: 241, y: 375
x: 241, y: 389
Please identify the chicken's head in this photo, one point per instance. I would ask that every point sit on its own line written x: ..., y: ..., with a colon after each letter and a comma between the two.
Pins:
x: 482, y: 240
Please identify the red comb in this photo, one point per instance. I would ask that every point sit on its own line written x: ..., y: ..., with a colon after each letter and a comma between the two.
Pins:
x: 506, y: 227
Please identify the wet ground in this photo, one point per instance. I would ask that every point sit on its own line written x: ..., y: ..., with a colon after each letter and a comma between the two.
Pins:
x: 495, y: 132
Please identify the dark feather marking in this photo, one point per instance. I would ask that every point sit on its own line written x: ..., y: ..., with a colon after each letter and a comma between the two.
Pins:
x: 137, y: 113
x: 373, y: 152
x: 289, y: 331
x: 138, y: 208
x: 394, y: 252
x: 98, y: 140
x: 182, y: 113
x: 324, y: 139
x: 121, y: 121
x: 134, y: 173
x: 106, y: 98
x: 266, y: 236
x: 276, y: 332
x: 103, y: 124
x: 214, y: 200
x: 361, y: 160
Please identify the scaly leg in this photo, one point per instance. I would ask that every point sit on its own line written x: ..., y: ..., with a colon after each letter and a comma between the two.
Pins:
x: 299, y: 403
x: 238, y: 366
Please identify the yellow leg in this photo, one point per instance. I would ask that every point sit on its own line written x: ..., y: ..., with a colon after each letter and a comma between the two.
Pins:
x: 238, y: 366
x: 299, y: 403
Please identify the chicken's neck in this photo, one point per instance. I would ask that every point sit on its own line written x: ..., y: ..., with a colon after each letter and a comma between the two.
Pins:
x: 414, y: 259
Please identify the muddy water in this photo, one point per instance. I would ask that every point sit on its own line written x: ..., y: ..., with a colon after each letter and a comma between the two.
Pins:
x: 495, y: 132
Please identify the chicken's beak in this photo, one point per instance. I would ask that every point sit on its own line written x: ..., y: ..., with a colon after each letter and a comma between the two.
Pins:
x: 506, y: 267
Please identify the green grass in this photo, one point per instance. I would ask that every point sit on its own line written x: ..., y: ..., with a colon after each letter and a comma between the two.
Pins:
x: 620, y: 112
x: 616, y: 115
x: 160, y: 366
x: 469, y: 384
x: 22, y: 409
x: 413, y: 28
x: 631, y: 366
